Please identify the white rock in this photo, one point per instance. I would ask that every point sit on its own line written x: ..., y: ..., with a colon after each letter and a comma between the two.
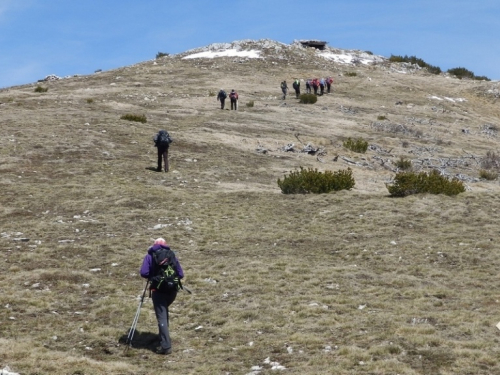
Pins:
x: 198, y: 328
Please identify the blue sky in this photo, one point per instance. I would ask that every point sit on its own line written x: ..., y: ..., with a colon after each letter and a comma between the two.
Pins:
x: 67, y: 37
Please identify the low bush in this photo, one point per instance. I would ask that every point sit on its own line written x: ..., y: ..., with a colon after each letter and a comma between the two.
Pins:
x: 41, y: 89
x: 408, y: 183
x: 404, y: 164
x: 308, y: 98
x: 161, y: 54
x: 132, y: 117
x: 250, y: 104
x: 465, y: 73
x: 350, y: 74
x: 488, y: 175
x: 358, y: 145
x: 90, y: 100
x: 415, y: 60
x: 211, y: 93
x: 381, y: 118
x: 310, y: 180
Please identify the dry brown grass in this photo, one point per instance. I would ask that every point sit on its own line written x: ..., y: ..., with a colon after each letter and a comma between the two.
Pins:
x: 350, y: 282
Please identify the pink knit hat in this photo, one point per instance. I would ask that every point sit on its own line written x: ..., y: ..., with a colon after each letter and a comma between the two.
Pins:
x: 160, y: 241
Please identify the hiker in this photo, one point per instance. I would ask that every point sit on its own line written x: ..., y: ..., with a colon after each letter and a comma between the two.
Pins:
x: 161, y: 300
x: 315, y: 85
x: 162, y: 142
x: 308, y: 86
x: 284, y: 89
x: 296, y: 87
x: 221, y: 96
x: 322, y: 86
x: 329, y: 81
x: 234, y: 100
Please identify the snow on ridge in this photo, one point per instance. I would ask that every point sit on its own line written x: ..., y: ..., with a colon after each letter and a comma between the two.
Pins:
x: 251, y: 54
x: 248, y: 48
x: 350, y: 57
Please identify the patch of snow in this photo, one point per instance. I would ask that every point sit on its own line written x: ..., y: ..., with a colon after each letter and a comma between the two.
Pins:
x: 251, y: 54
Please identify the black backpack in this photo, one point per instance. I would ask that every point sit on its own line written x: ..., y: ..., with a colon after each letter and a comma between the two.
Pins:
x: 222, y: 94
x: 163, y: 139
x: 166, y: 278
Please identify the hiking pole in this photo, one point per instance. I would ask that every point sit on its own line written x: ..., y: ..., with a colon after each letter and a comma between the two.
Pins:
x: 186, y: 289
x: 136, y: 319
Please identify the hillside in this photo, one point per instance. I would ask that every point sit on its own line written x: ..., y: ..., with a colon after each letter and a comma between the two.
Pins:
x: 351, y: 282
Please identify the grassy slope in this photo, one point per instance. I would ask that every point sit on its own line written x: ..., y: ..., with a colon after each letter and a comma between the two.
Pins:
x: 75, y: 180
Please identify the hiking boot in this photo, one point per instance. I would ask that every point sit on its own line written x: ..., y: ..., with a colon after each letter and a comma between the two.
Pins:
x: 163, y: 351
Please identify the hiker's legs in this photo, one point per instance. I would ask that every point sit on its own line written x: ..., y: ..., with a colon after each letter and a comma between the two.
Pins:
x: 297, y: 93
x: 284, y: 93
x: 161, y: 302
x: 160, y: 156
x: 165, y: 159
x: 233, y: 104
x: 328, y: 86
x: 222, y: 103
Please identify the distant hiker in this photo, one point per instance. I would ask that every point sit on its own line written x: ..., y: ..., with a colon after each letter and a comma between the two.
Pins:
x: 315, y: 85
x: 308, y: 86
x: 322, y: 86
x: 222, y: 98
x: 234, y: 100
x: 296, y: 87
x: 163, y: 293
x: 284, y: 89
x: 162, y: 142
x: 329, y: 81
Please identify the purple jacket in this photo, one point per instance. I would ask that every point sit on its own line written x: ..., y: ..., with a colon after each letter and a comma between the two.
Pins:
x: 148, y: 264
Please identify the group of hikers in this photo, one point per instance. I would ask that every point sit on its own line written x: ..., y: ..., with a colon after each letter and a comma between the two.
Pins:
x: 233, y: 96
x: 160, y: 265
x: 311, y: 84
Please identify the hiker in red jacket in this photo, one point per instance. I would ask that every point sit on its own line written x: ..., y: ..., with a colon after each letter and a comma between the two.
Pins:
x: 234, y: 100
x: 329, y: 81
x: 315, y: 85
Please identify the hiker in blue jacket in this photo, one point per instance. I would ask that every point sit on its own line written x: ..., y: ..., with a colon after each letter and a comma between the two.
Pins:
x: 161, y: 300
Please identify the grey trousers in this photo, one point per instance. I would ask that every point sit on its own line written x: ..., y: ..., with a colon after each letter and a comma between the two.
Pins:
x: 161, y: 302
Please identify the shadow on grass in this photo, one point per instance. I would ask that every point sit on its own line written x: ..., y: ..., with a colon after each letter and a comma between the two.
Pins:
x: 142, y: 340
x: 153, y: 169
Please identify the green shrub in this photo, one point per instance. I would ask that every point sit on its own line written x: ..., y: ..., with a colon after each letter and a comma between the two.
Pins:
x: 308, y: 98
x: 211, y: 93
x: 488, y: 175
x: 358, y: 145
x: 90, y: 100
x: 381, y: 118
x: 404, y: 164
x: 408, y: 183
x: 309, y: 180
x: 161, y: 54
x: 350, y: 74
x: 132, y: 117
x: 415, y: 60
x: 465, y: 73
x: 41, y: 89
x: 250, y: 104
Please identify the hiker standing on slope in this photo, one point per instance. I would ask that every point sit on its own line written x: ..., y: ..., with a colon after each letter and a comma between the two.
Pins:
x: 296, y: 87
x: 234, y: 100
x: 284, y: 89
x: 161, y: 299
x: 308, y: 86
x: 221, y: 96
x: 322, y: 86
x: 329, y: 81
x: 162, y: 142
x: 315, y: 85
